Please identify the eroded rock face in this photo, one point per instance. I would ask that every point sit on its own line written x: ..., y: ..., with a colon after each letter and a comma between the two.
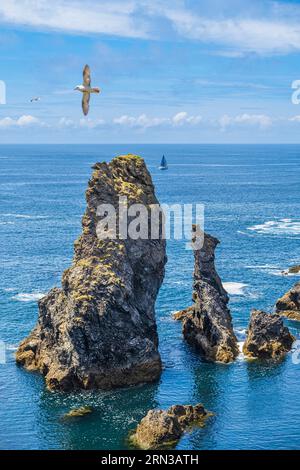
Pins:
x: 98, y: 330
x: 267, y: 337
x: 160, y: 428
x: 289, y: 304
x: 207, y: 324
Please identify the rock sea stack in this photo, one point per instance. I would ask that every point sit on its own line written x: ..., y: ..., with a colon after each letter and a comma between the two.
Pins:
x: 207, y: 324
x: 163, y: 429
x: 267, y: 337
x: 98, y: 330
x: 289, y: 304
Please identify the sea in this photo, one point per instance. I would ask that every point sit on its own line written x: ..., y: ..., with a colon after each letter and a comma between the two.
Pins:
x: 251, y: 197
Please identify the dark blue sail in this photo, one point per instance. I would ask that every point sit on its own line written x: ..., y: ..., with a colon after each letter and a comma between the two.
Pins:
x: 163, y: 164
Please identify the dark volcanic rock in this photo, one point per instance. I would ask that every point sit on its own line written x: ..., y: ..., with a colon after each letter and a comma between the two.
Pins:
x: 289, y: 304
x: 98, y: 330
x: 207, y: 324
x: 267, y: 337
x: 160, y: 428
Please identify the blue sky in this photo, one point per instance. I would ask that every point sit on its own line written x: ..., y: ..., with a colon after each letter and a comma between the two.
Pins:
x: 169, y: 71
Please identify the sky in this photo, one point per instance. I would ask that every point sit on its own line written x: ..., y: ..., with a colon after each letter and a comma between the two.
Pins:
x: 170, y: 71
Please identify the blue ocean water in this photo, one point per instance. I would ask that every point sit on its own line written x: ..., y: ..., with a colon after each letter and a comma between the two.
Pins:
x: 252, y: 201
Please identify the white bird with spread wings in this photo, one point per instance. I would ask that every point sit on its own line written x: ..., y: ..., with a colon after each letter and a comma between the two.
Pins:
x: 86, y: 89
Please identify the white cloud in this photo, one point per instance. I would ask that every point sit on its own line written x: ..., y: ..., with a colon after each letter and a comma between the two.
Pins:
x: 86, y: 123
x: 295, y: 118
x: 272, y: 29
x: 23, y: 121
x: 264, y: 36
x: 91, y: 123
x: 65, y: 122
x: 142, y: 121
x: 259, y: 120
x: 107, y: 17
x: 231, y: 84
x: 183, y: 118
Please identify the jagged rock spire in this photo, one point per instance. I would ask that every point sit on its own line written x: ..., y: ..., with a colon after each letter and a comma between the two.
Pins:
x: 98, y: 330
x: 207, y: 324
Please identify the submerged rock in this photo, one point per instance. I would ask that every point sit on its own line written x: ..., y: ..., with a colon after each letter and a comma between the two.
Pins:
x: 294, y: 269
x: 79, y: 412
x: 267, y: 337
x: 289, y: 304
x: 98, y: 330
x: 207, y: 324
x: 160, y: 428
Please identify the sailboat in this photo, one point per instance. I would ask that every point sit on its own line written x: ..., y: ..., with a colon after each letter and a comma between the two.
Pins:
x: 163, y: 164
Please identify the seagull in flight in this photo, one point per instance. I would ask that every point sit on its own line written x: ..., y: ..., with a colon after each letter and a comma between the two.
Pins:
x: 35, y: 98
x: 86, y: 89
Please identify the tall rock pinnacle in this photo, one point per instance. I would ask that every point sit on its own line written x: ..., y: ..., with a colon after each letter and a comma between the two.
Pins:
x: 98, y: 330
x: 207, y: 324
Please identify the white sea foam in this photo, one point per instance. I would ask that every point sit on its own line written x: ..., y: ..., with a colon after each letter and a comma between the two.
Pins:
x: 261, y: 266
x: 240, y: 332
x: 25, y: 216
x: 31, y: 297
x: 272, y: 269
x: 284, y: 273
x: 235, y: 288
x: 277, y: 227
x: 11, y: 347
x: 241, y: 355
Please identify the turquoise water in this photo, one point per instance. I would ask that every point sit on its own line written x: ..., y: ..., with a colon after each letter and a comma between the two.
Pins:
x: 252, y: 201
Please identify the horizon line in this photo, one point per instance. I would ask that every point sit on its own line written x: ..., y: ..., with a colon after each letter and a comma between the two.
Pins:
x: 149, y: 143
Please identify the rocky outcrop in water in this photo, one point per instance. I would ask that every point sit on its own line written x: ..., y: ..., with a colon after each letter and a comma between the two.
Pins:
x: 78, y: 412
x: 98, y: 330
x: 159, y: 429
x: 292, y: 270
x: 207, y: 324
x: 267, y: 337
x: 289, y: 304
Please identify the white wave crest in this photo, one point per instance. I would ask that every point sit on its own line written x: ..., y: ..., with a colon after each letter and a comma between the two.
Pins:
x: 277, y: 227
x: 25, y: 216
x: 272, y: 269
x: 31, y: 297
x: 241, y: 356
x: 234, y: 288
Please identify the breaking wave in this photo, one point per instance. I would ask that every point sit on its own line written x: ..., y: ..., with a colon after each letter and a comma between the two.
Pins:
x: 235, y: 288
x: 277, y: 227
x: 25, y: 297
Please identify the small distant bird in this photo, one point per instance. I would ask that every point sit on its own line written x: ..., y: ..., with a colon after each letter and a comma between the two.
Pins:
x: 86, y: 89
x: 35, y: 98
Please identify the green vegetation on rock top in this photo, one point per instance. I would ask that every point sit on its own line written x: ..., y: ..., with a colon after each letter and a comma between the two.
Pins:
x: 128, y: 156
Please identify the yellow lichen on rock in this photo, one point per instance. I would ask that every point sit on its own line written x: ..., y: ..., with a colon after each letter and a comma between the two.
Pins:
x: 98, y: 330
x: 162, y: 429
x: 79, y: 412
